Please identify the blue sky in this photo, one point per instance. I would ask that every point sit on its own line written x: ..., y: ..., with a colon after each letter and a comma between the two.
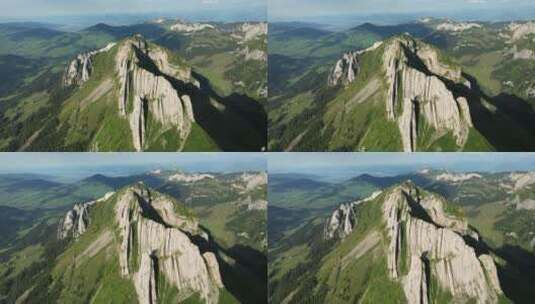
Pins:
x: 14, y: 8
x: 78, y: 165
x: 344, y: 165
x: 298, y: 9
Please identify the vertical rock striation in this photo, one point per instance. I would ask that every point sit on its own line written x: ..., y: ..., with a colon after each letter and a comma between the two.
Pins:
x: 150, y: 87
x: 345, y: 70
x: 418, y: 89
x: 418, y: 92
x: 428, y: 241
x: 144, y: 234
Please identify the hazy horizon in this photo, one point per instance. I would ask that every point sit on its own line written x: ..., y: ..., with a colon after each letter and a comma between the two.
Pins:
x: 81, y: 165
x: 79, y: 14
x: 339, y: 166
x: 343, y: 14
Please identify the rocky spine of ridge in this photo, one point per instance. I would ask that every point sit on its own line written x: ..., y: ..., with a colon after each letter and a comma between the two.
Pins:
x: 144, y: 91
x: 422, y: 92
x: 75, y: 222
x: 162, y: 248
x: 342, y: 221
x: 79, y: 69
x: 432, y: 244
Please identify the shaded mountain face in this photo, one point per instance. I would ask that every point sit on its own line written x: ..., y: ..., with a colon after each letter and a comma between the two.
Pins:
x: 402, y: 244
x: 418, y: 89
x: 62, y: 99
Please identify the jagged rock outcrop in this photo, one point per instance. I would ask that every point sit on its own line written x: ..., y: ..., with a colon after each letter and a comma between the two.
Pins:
x: 145, y: 234
x: 345, y: 70
x: 417, y: 88
x: 149, y: 86
x: 342, y: 221
x: 80, y: 68
x: 429, y: 242
x: 77, y: 219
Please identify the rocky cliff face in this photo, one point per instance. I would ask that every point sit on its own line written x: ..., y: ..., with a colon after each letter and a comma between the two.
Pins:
x: 345, y: 70
x: 417, y: 89
x: 80, y: 68
x: 431, y: 245
x: 155, y: 243
x: 162, y: 248
x: 342, y: 221
x: 148, y: 87
x: 77, y: 219
x: 417, y: 92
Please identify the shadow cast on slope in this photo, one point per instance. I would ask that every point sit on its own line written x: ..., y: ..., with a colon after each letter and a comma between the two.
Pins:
x: 236, y: 122
x: 244, y: 277
x: 508, y: 128
x: 517, y: 276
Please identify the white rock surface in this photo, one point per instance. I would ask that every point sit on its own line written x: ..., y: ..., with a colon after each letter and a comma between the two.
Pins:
x: 345, y: 70
x: 343, y: 220
x: 76, y: 221
x: 80, y: 68
x: 435, y: 249
x: 178, y: 258
x: 422, y: 94
x: 151, y: 92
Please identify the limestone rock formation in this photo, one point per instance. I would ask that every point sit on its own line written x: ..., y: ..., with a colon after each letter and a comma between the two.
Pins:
x: 80, y: 68
x: 417, y: 88
x: 155, y: 243
x: 342, y: 221
x: 148, y: 84
x: 432, y: 243
x: 159, y: 243
x: 77, y: 219
x: 417, y: 91
x: 345, y: 70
